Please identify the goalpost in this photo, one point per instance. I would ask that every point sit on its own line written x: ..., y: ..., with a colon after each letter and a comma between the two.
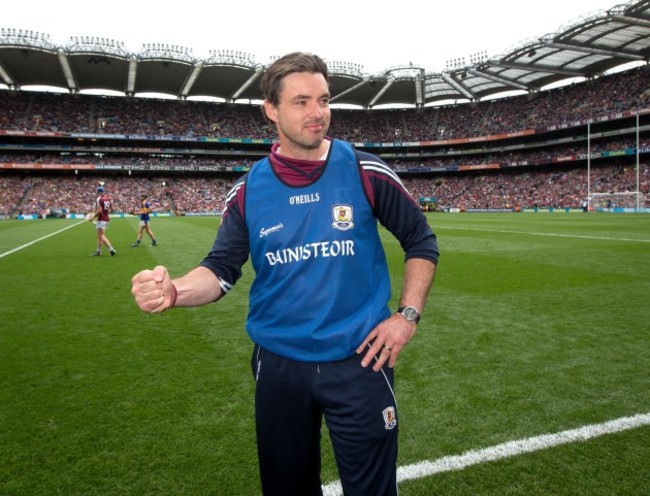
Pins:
x: 628, y: 201
x: 616, y: 202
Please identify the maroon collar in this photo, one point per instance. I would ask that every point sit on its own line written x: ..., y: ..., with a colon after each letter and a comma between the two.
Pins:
x: 295, y: 172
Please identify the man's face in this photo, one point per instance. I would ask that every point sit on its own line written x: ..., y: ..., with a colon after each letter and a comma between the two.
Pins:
x: 302, y: 115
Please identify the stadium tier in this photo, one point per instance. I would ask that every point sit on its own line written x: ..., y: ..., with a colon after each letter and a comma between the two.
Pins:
x: 551, y: 149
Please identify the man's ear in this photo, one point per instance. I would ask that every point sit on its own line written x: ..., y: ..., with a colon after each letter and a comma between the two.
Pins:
x: 269, y: 111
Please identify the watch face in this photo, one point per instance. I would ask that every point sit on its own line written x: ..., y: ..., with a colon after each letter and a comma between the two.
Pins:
x: 410, y: 313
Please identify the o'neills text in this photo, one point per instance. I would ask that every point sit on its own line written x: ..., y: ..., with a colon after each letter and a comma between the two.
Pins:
x: 343, y: 248
x: 299, y: 199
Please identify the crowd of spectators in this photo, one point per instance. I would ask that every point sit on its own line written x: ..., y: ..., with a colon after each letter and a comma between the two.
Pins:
x: 509, y: 190
x: 31, y: 111
x: 547, y: 184
x: 447, y: 159
x: 186, y: 162
x: 55, y: 194
x: 503, y: 189
x: 77, y: 194
x: 541, y: 156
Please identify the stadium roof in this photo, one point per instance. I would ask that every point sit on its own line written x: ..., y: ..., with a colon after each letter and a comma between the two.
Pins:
x: 584, y: 48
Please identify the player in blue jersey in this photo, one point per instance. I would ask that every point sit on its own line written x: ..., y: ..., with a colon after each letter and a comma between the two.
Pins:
x: 325, y: 340
x: 145, y: 222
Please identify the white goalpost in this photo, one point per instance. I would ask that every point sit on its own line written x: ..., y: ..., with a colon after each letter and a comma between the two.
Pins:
x: 613, y: 202
x: 628, y: 201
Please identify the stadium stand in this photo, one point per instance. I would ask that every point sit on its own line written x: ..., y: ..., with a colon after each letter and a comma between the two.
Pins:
x: 529, y: 151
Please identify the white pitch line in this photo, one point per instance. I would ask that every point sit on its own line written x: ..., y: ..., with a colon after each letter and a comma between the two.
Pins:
x: 37, y: 240
x: 604, y: 238
x: 507, y: 450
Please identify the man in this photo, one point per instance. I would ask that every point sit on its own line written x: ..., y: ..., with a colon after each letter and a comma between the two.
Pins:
x: 325, y: 341
x: 103, y: 204
x: 145, y: 220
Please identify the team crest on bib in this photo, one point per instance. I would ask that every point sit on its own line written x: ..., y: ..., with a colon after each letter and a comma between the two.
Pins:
x: 390, y: 420
x: 342, y: 215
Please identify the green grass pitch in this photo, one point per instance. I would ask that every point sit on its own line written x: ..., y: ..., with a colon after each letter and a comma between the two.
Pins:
x: 537, y: 324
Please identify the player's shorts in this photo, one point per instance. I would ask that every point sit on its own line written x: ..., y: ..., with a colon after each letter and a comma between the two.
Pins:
x: 101, y: 224
x: 144, y: 223
x: 360, y: 411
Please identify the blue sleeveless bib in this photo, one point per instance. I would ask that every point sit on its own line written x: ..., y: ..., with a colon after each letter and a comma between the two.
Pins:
x: 322, y: 281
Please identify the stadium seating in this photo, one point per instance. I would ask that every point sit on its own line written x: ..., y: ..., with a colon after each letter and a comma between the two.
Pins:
x: 472, y: 160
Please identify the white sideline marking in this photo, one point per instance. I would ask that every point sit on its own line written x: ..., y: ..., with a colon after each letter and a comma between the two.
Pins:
x: 37, y: 240
x: 507, y: 450
x: 557, y: 235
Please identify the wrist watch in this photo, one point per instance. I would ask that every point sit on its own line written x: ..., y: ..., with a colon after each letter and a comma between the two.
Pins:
x: 409, y: 313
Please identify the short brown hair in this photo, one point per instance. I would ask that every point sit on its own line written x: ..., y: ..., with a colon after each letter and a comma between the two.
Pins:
x: 271, y: 84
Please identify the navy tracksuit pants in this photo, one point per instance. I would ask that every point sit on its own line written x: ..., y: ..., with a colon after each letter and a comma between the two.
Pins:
x: 360, y: 411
